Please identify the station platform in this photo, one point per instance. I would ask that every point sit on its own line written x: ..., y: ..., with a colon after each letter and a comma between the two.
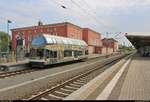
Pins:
x: 134, y: 84
x: 13, y: 64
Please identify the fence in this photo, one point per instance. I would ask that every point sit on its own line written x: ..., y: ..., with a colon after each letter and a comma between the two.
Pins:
x: 5, y: 57
x: 9, y: 57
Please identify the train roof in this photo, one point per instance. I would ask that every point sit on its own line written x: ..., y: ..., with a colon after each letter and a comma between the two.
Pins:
x: 43, y: 39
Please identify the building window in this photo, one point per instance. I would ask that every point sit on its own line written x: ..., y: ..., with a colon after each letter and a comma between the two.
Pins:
x: 41, y: 30
x: 47, y: 30
x: 55, y: 29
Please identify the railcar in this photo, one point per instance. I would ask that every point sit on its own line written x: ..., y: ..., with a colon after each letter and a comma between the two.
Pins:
x: 48, y: 49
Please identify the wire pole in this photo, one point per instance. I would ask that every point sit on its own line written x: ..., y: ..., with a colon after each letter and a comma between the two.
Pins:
x: 107, y: 44
x: 8, y: 39
x: 0, y: 49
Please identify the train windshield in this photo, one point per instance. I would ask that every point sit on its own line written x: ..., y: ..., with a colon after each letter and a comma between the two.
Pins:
x: 37, y: 53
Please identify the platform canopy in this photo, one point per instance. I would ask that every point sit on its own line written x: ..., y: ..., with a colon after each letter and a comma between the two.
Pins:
x: 139, y: 40
x: 44, y: 39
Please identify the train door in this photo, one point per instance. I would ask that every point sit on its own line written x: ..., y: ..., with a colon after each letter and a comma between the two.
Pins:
x: 72, y: 53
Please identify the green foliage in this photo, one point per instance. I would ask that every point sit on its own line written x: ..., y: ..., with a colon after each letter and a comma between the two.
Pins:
x: 4, y: 39
x: 126, y: 49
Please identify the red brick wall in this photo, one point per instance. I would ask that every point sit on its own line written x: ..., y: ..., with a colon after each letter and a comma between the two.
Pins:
x: 93, y: 39
x: 110, y: 44
x: 85, y: 35
x: 74, y: 32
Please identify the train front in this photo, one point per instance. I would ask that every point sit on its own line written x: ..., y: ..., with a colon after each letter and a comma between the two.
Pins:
x: 37, y: 58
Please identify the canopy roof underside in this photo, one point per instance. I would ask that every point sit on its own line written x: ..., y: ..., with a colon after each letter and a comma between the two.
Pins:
x: 138, y: 40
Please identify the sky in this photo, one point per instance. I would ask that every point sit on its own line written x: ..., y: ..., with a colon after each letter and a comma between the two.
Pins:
x: 115, y: 17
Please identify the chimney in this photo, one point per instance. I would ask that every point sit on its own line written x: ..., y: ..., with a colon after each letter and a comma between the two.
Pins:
x: 40, y: 23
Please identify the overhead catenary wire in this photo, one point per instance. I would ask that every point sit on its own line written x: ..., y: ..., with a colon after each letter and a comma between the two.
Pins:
x: 80, y: 13
x: 89, y: 14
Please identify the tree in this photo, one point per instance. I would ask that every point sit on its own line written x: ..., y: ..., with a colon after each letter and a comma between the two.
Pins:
x: 4, y: 41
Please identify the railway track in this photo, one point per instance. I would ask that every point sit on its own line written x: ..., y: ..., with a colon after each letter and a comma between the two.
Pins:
x: 62, y: 90
x: 19, y: 72
x: 25, y: 71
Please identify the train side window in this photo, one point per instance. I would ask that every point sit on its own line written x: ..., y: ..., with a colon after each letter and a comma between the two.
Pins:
x: 78, y: 53
x: 47, y: 53
x: 54, y: 54
x: 50, y: 54
x: 40, y: 53
x: 86, y: 52
x: 67, y: 53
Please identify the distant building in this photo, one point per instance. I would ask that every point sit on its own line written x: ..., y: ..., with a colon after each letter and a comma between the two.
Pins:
x: 110, y: 45
x: 93, y: 39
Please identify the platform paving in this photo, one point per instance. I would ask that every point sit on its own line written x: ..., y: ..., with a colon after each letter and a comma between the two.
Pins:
x: 135, y: 81
x: 15, y: 63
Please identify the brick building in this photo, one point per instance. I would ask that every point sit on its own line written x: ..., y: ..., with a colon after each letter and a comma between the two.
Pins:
x: 66, y: 29
x: 93, y: 39
x: 109, y: 46
x: 60, y: 29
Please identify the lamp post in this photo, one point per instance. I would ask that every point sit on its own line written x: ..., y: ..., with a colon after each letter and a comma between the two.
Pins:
x: 107, y: 43
x: 0, y: 44
x: 0, y: 48
x: 8, y: 22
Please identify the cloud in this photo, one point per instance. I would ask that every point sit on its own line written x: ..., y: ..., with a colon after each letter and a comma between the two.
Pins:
x: 100, y: 15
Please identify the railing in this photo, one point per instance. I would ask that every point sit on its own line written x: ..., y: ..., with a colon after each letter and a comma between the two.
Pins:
x: 9, y: 57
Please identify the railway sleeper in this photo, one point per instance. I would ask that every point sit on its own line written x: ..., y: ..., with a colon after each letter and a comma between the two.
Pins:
x: 66, y: 91
x: 54, y: 97
x: 43, y: 98
x: 72, y: 88
x: 60, y: 94
x: 78, y: 83
x: 83, y: 79
x: 75, y: 85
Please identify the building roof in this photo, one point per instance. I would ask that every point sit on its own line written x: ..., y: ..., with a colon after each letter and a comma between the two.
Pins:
x: 110, y: 39
x: 43, y: 39
x: 91, y: 30
x: 40, y: 26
